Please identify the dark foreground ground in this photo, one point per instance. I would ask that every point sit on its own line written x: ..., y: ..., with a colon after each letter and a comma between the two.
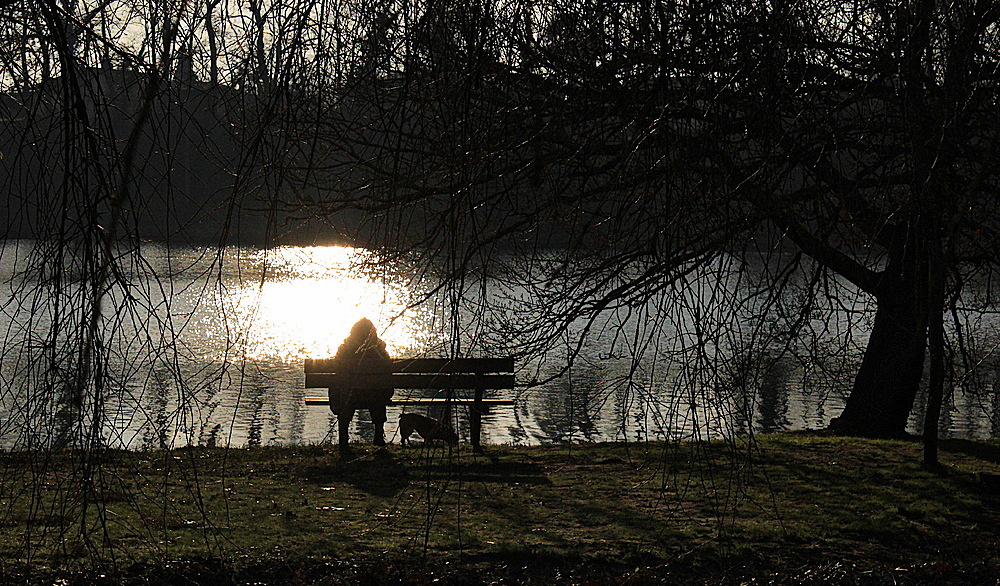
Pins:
x: 785, y: 509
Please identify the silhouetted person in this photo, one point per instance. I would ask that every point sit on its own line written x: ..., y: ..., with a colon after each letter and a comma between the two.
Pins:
x: 364, y: 353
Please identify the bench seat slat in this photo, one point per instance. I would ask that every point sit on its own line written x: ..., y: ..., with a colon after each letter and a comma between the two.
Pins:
x: 409, y: 381
x: 425, y: 365
x: 422, y: 401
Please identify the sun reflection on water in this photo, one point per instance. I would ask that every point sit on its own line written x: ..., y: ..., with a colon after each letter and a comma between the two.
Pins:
x: 310, y: 297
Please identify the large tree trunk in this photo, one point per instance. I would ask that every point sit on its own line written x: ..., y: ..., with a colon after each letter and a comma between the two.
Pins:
x: 887, y: 382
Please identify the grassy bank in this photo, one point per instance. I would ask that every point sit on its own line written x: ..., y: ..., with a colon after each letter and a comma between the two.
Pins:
x: 791, y: 508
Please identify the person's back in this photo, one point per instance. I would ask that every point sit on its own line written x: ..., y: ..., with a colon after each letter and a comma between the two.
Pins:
x: 362, y: 352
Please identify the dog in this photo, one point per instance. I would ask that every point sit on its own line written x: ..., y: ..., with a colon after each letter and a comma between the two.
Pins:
x: 426, y: 427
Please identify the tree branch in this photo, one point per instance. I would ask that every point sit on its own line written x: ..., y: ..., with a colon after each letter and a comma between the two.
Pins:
x: 833, y: 259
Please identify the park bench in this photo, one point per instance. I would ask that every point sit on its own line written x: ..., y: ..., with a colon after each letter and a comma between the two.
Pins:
x: 447, y: 374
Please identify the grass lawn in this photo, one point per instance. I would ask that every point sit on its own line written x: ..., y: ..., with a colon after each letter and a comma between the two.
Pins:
x: 790, y: 508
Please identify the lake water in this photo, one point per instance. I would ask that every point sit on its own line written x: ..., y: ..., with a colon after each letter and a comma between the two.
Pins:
x: 205, y: 347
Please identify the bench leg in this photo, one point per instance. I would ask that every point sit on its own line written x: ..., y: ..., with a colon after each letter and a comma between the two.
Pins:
x: 476, y: 411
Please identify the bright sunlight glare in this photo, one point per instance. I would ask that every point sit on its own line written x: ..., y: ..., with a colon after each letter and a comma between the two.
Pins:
x: 309, y: 299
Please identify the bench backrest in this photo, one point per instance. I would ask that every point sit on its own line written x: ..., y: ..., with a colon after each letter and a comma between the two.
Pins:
x: 417, y: 373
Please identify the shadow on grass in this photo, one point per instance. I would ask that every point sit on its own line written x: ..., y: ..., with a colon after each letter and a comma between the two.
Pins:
x: 382, y: 474
x: 385, y: 474
x: 975, y: 449
x: 491, y: 472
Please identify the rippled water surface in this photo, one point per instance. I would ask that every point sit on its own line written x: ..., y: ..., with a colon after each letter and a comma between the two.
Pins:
x: 206, y: 347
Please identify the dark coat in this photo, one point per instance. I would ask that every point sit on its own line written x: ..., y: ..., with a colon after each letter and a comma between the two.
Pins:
x: 364, y: 353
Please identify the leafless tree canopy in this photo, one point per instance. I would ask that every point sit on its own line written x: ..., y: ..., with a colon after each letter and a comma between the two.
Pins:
x: 642, y: 140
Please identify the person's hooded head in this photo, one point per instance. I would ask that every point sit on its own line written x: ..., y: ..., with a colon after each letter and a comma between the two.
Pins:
x: 363, y: 340
x: 364, y: 329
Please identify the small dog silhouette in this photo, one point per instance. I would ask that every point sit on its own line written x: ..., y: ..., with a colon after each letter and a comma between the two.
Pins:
x: 426, y: 427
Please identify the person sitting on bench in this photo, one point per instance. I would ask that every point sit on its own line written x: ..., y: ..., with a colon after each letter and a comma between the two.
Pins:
x: 362, y: 352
